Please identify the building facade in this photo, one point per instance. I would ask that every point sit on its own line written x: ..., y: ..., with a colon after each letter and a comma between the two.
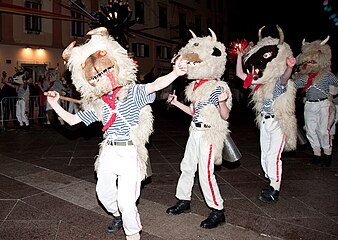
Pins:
x: 36, y: 42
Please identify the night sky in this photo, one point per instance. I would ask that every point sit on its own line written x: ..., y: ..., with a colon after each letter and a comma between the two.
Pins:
x: 299, y: 19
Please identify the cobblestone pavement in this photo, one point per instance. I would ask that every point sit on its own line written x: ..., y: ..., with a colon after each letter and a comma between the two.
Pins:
x: 47, y: 187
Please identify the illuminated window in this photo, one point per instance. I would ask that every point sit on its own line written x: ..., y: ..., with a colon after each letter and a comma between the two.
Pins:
x: 163, y: 52
x: 78, y: 26
x: 33, y: 23
x: 140, y: 50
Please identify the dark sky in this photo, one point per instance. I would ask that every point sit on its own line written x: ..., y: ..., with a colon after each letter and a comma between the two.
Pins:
x: 299, y: 19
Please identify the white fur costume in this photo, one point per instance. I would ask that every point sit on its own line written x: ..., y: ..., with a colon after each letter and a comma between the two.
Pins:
x: 278, y: 127
x: 206, y: 60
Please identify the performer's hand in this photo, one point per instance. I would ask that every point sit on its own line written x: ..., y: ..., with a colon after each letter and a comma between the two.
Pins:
x: 172, y: 99
x: 291, y: 61
x: 181, y: 66
x: 52, y: 96
x: 223, y: 97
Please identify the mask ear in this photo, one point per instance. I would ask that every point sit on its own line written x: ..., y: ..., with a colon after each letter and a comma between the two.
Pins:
x: 173, y: 60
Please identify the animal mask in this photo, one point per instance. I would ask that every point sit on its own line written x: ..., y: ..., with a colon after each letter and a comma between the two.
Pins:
x: 205, y: 55
x: 100, y: 65
x: 266, y: 60
x: 315, y: 56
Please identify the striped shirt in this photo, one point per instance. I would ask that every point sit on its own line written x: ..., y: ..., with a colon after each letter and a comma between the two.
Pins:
x: 129, y: 109
x: 213, y: 99
x: 278, y: 90
x: 320, y: 89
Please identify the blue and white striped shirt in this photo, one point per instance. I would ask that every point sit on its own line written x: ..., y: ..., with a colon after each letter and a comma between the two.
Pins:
x: 129, y: 109
x: 278, y: 90
x: 318, y: 90
x: 213, y: 99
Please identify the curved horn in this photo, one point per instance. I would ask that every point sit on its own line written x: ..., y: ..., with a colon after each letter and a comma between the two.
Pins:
x: 303, y: 42
x: 325, y: 40
x: 192, y: 33
x: 260, y: 33
x: 99, y: 31
x: 281, y: 35
x: 213, y: 35
x: 66, y: 52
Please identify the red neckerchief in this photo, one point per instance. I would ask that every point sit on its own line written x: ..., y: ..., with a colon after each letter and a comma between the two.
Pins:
x: 197, y: 85
x: 248, y: 81
x: 309, y: 81
x: 111, y: 103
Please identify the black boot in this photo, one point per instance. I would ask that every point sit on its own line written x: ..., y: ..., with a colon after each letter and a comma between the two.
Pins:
x: 268, y: 195
x: 216, y: 217
x: 115, y: 225
x: 326, y: 161
x: 315, y: 160
x: 182, y: 206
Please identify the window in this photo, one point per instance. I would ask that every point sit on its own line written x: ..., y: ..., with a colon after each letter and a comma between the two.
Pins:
x: 139, y: 12
x: 163, y: 52
x: 163, y: 17
x: 78, y: 26
x: 140, y: 50
x: 33, y: 23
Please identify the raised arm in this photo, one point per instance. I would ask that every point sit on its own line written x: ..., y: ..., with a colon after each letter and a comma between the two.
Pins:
x: 53, y: 97
x: 180, y: 69
x: 290, y: 62
x: 239, y: 66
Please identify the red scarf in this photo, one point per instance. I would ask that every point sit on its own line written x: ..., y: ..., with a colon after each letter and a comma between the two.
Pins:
x: 309, y: 81
x: 198, y: 84
x: 111, y: 102
x: 248, y: 81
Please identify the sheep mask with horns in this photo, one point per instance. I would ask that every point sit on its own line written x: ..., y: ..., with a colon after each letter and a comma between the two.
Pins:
x: 206, y: 61
x: 316, y: 58
x: 98, y: 67
x: 266, y: 61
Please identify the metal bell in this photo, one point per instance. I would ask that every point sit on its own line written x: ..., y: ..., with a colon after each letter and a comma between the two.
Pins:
x: 301, y: 138
x: 230, y: 151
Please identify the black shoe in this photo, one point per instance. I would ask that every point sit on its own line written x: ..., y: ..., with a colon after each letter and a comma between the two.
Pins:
x: 316, y: 160
x: 216, y: 217
x: 265, y: 189
x: 326, y: 161
x: 116, y: 225
x: 269, y: 195
x: 182, y: 206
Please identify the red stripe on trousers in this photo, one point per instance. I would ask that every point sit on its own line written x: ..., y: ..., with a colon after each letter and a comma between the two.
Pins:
x: 209, y: 178
x: 278, y: 157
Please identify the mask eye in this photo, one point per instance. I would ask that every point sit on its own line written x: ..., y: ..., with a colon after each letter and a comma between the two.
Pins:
x: 196, y: 44
x: 83, y: 65
x: 267, y: 55
x: 102, y: 53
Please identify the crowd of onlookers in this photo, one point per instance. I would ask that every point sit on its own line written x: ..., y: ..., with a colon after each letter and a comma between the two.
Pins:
x: 22, y: 100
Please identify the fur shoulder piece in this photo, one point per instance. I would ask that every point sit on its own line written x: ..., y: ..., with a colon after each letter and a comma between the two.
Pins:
x: 202, y: 93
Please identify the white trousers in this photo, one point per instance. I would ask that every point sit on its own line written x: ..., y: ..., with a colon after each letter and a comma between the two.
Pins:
x: 199, y: 153
x: 319, y: 117
x: 21, y: 112
x: 272, y: 144
x: 118, y: 184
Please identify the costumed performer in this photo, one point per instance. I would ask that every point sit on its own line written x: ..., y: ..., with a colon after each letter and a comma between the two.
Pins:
x: 106, y: 77
x: 211, y: 102
x: 315, y: 78
x: 269, y: 65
